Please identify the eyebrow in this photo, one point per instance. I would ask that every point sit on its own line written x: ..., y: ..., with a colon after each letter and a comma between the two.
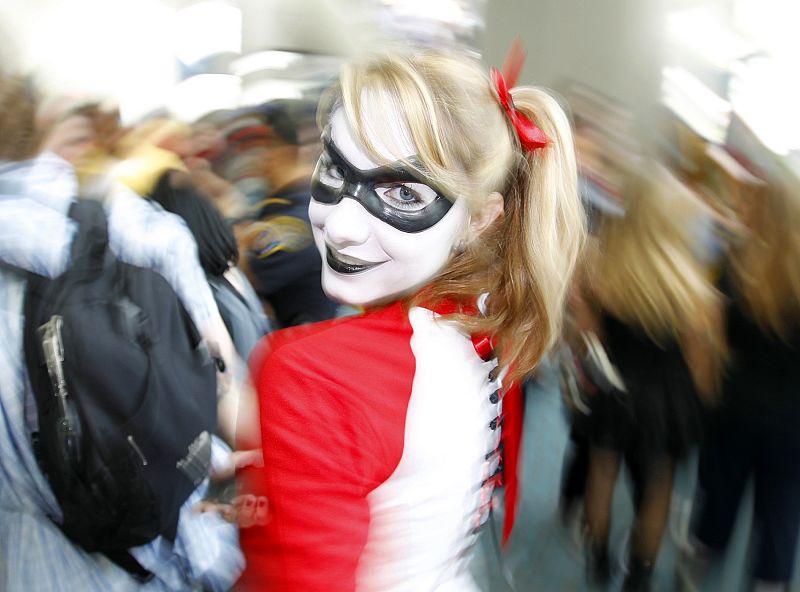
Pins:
x: 397, y: 168
x: 330, y: 147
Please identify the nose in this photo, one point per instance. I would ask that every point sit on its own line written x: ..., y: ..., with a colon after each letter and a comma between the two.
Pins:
x: 347, y: 224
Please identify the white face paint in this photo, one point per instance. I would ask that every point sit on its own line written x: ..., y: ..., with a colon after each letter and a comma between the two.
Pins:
x: 388, y: 262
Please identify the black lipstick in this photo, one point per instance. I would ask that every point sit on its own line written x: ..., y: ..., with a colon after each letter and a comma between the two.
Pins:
x: 337, y: 264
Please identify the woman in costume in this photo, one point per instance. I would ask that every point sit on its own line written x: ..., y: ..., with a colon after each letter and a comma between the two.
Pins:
x: 754, y: 431
x: 449, y: 211
x: 645, y: 295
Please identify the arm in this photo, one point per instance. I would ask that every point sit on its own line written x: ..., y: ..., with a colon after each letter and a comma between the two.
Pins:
x: 34, y: 237
x: 35, y: 232
x: 314, y: 481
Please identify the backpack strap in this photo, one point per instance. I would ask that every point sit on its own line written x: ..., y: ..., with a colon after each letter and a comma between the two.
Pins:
x: 91, y: 241
x: 128, y: 562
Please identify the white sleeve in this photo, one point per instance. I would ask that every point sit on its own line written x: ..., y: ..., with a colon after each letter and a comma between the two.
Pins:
x: 34, y: 237
x: 142, y: 233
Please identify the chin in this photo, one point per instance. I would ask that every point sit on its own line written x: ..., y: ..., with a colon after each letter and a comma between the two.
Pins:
x: 361, y: 299
x: 358, y: 295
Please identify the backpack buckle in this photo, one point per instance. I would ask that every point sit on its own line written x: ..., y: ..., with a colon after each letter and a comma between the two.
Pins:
x: 53, y: 348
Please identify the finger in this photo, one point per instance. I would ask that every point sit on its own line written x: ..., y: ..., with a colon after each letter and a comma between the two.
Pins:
x: 246, y: 458
x: 262, y: 511
x: 247, y: 511
x: 230, y: 514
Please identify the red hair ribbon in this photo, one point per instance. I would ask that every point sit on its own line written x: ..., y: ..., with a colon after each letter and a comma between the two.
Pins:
x: 530, y: 135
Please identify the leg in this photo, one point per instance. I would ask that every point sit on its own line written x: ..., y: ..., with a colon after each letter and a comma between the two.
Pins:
x: 603, y: 471
x: 653, y: 483
x: 653, y: 511
x: 575, y: 474
x: 725, y: 465
x: 777, y: 505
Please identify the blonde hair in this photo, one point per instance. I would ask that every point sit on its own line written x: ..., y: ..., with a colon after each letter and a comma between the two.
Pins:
x: 467, y: 146
x: 645, y: 270
x: 766, y: 264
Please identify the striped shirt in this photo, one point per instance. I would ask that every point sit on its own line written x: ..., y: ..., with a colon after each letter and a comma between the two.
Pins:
x: 35, y: 235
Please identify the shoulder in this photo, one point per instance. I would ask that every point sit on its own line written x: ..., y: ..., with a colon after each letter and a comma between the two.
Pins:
x: 358, y: 367
x: 334, y: 395
x: 340, y: 340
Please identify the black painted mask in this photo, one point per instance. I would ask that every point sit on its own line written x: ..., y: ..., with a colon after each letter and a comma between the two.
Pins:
x: 395, y: 193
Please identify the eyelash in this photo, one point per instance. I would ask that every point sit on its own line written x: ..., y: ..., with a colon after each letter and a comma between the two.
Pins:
x: 331, y: 174
x: 336, y: 177
x: 403, y: 204
x: 334, y: 171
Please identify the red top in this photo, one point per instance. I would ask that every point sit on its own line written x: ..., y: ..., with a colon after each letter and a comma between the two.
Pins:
x: 334, y: 400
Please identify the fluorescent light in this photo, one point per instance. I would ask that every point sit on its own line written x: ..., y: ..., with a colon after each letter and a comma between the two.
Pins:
x: 266, y: 90
x: 201, y: 94
x: 701, y: 109
x: 701, y: 31
x: 263, y: 60
x: 766, y: 97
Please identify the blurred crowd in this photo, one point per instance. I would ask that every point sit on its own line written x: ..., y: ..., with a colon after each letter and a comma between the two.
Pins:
x: 683, y: 336
x: 219, y: 209
x: 684, y: 317
x: 252, y: 164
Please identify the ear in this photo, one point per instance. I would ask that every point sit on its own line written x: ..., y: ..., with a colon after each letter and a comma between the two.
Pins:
x: 491, y: 210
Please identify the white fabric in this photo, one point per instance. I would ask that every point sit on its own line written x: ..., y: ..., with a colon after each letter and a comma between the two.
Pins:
x: 423, y: 518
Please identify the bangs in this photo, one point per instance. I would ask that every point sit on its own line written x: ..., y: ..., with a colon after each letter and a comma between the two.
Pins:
x: 390, y: 108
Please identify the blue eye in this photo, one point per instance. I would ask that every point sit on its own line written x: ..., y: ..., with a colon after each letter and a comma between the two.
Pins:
x: 406, y: 196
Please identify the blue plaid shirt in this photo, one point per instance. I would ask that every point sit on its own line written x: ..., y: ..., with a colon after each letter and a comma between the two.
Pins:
x: 35, y: 235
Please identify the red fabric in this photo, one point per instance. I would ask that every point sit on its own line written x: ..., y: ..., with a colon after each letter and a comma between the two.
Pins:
x: 515, y: 59
x: 484, y: 346
x: 530, y: 135
x: 333, y: 405
x: 334, y: 398
x: 513, y: 412
x: 511, y: 437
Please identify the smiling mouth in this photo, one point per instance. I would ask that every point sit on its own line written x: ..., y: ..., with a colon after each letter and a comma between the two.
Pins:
x: 345, y: 264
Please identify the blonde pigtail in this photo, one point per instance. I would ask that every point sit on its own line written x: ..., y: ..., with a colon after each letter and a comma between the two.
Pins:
x: 541, y: 236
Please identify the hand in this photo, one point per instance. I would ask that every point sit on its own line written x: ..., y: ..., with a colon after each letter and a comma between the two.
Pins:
x: 245, y: 510
x: 238, y: 459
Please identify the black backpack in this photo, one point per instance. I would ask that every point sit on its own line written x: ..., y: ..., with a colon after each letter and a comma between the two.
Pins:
x: 125, y: 394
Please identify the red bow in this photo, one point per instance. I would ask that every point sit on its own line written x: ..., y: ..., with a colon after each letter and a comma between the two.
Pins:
x: 530, y: 135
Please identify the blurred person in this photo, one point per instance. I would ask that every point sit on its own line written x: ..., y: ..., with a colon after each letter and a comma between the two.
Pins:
x: 645, y: 297
x: 381, y: 432
x: 237, y: 301
x: 241, y: 162
x: 68, y: 125
x: 84, y: 130
x: 35, y: 237
x: 206, y: 144
x: 70, y: 138
x: 754, y: 430
x: 133, y: 158
x: 280, y: 258
x: 145, y: 152
x: 226, y: 197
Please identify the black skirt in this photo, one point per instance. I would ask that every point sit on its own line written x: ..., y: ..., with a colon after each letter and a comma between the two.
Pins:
x: 659, y: 413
